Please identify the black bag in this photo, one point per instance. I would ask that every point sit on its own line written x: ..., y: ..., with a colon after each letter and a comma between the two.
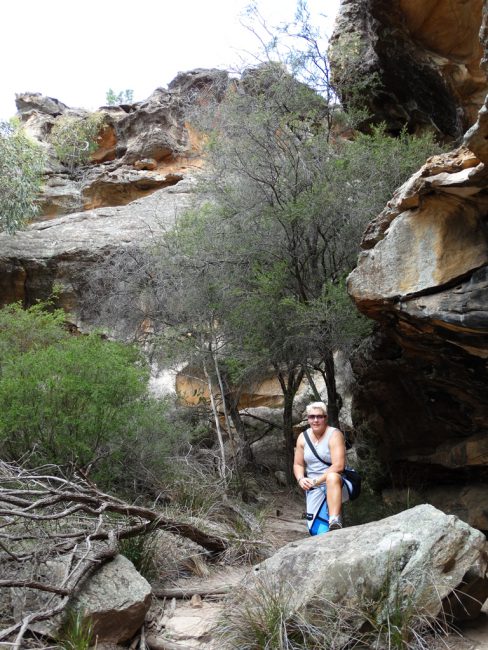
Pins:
x: 353, y: 477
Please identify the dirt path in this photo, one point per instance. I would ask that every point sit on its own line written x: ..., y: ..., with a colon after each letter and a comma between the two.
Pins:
x: 186, y: 618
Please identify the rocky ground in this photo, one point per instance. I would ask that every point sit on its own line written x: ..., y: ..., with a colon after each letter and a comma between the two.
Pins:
x: 185, y: 615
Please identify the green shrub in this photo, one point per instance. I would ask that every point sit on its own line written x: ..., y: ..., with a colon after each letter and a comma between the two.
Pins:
x: 74, y: 138
x: 140, y: 463
x: 21, y: 166
x: 22, y: 329
x: 64, y: 402
x: 76, y: 399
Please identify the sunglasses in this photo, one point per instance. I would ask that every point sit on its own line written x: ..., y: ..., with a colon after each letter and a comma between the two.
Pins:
x: 317, y: 417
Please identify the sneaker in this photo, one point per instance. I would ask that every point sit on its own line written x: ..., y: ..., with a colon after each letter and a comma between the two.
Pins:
x: 335, y: 522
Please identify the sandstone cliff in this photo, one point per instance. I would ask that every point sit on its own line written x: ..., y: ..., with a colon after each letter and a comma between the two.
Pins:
x: 422, y: 274
x: 140, y: 179
x: 410, y: 62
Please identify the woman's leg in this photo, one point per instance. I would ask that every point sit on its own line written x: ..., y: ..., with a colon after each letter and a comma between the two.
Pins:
x: 333, y: 481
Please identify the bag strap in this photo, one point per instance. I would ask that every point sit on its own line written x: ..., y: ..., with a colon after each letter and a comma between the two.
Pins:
x: 309, y: 443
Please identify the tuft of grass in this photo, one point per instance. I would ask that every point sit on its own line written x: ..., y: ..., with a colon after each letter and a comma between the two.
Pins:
x: 141, y: 550
x: 264, y: 616
x: 397, y: 622
x: 76, y: 632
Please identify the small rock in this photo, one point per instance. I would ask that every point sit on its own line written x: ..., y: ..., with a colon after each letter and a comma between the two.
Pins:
x: 146, y: 163
x: 196, y: 601
x: 280, y: 477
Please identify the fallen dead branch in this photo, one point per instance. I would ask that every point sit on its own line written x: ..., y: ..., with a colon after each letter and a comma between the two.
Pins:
x: 47, y: 517
x: 39, y: 497
x: 175, y: 592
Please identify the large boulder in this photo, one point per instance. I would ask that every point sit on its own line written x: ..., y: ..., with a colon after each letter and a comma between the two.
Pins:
x: 420, y: 560
x: 410, y: 62
x: 115, y: 599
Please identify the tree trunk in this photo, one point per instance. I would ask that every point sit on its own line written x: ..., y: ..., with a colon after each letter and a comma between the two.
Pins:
x: 289, y: 436
x: 289, y: 385
x: 223, y: 465
x: 245, y: 451
x: 334, y: 400
x: 315, y: 392
x: 224, y: 407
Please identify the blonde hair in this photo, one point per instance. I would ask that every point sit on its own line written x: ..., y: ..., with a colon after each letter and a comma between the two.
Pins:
x: 317, y: 405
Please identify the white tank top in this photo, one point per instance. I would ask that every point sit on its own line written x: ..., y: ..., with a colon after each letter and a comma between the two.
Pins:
x: 315, y: 467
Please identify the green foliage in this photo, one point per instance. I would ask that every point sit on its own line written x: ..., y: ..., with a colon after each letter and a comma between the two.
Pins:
x: 372, y: 166
x: 71, y: 400
x: 64, y: 402
x: 74, y: 138
x: 138, y: 463
x: 21, y: 166
x: 331, y: 318
x: 22, y: 330
x: 76, y: 632
x: 123, y: 97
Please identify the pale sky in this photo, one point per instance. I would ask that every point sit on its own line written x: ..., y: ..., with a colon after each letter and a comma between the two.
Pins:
x: 76, y: 51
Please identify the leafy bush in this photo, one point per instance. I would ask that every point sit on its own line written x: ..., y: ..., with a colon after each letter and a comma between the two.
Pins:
x: 74, y: 138
x: 22, y: 330
x: 21, y: 166
x: 74, y: 400
x: 66, y: 401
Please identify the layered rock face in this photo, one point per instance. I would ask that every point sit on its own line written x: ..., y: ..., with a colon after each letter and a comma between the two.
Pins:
x: 423, y: 275
x: 63, y: 252
x: 145, y: 146
x: 139, y: 181
x: 411, y: 63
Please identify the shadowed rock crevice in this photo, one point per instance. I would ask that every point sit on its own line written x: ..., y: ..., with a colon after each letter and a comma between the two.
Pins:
x: 410, y: 63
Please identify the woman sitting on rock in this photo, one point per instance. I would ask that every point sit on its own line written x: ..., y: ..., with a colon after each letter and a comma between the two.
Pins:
x: 319, y: 462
